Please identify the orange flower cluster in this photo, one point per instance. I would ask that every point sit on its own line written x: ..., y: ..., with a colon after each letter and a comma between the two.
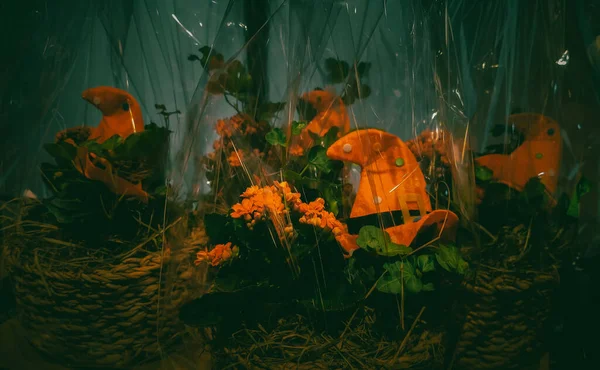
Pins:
x: 314, y: 213
x: 241, y: 124
x: 235, y: 158
x: 258, y: 200
x: 271, y: 198
x: 429, y: 145
x: 216, y: 256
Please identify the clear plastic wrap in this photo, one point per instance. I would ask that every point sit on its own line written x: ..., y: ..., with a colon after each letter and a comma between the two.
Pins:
x: 374, y: 170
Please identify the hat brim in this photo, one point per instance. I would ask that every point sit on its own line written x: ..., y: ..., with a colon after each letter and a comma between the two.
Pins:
x: 444, y: 223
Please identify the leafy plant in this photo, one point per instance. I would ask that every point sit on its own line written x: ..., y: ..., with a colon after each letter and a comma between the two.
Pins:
x: 451, y: 260
x: 407, y: 274
x: 85, y: 207
x: 372, y: 238
x: 276, y: 137
x: 583, y: 187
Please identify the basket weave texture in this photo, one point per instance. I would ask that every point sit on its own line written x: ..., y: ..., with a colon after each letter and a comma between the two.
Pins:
x: 106, y: 312
x: 503, y: 319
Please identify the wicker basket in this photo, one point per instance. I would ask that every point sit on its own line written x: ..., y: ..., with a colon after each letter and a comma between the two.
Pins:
x: 502, y: 319
x: 101, y: 313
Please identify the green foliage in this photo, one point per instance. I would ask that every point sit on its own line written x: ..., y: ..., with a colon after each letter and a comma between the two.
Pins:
x: 583, y: 187
x: 317, y: 157
x: 238, y: 78
x: 483, y: 173
x: 298, y: 126
x: 410, y: 272
x: 209, y: 60
x: 354, y: 91
x: 86, y: 209
x: 276, y: 137
x: 375, y: 239
x: 337, y: 70
x: 450, y: 259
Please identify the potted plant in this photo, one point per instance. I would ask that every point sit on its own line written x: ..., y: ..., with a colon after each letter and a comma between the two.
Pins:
x: 89, y: 263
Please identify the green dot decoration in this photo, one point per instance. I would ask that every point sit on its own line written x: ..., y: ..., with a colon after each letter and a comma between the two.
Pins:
x: 399, y: 162
x: 539, y: 155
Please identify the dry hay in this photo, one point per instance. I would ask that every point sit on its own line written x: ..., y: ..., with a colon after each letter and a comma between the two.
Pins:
x: 295, y: 344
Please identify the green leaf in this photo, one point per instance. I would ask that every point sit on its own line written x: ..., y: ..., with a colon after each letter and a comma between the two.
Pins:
x: 298, y: 126
x: 428, y: 287
x: 372, y: 237
x: 450, y: 259
x: 208, y: 55
x: 378, y: 240
x: 276, y: 137
x: 317, y: 156
x: 330, y: 137
x: 337, y: 70
x: 583, y: 187
x: 238, y: 79
x: 425, y: 263
x: 112, y: 143
x: 483, y: 173
x: 363, y: 69
x: 331, y: 200
x: 398, y: 271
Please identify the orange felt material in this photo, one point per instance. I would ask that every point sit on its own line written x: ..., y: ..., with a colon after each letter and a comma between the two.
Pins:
x: 385, y: 186
x: 116, y: 184
x: 405, y: 234
x: 331, y: 112
x: 391, y: 180
x: 121, y: 113
x: 538, y: 156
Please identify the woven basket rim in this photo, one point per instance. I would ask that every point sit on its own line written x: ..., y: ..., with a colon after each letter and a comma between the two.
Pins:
x: 136, y: 261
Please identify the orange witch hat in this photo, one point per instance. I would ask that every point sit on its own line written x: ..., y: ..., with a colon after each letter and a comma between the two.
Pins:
x: 331, y: 112
x: 538, y: 156
x: 121, y: 113
x: 391, y: 180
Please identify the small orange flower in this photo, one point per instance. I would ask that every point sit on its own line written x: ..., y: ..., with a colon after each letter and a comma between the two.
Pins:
x: 235, y: 158
x: 251, y: 191
x: 315, y: 207
x: 296, y: 150
x: 246, y: 207
x: 219, y: 254
x: 223, y: 128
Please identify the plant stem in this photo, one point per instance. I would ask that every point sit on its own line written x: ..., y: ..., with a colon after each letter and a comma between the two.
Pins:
x: 304, y: 170
x: 231, y: 104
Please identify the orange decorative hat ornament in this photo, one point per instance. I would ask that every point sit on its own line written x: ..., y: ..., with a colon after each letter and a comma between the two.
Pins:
x: 331, y: 112
x: 391, y: 180
x: 538, y: 156
x: 121, y: 113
